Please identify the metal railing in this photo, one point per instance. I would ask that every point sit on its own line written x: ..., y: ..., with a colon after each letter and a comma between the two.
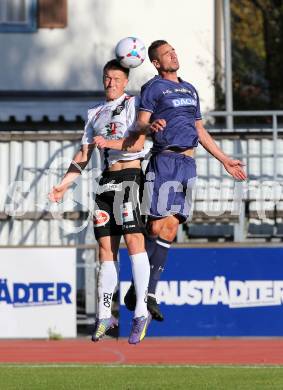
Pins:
x: 30, y: 149
x: 253, y: 190
x: 272, y: 114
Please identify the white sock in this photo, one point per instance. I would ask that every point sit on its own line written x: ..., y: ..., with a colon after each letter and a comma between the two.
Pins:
x: 107, y: 281
x: 141, y: 272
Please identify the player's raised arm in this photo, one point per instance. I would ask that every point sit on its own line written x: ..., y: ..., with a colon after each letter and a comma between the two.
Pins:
x: 233, y: 167
x: 135, y: 140
x: 145, y: 126
x: 133, y: 143
x: 76, y: 167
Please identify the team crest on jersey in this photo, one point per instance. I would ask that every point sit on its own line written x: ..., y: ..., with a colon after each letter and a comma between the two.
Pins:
x: 118, y: 109
x: 100, y: 218
x: 121, y: 106
x: 111, y: 128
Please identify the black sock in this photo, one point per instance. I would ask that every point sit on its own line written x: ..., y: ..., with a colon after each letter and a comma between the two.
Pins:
x: 157, y: 263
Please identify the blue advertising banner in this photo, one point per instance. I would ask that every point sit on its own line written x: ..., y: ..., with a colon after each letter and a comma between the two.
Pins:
x: 215, y: 292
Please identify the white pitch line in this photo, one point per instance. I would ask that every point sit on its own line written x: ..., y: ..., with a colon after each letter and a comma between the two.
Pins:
x: 241, y: 305
x: 78, y: 365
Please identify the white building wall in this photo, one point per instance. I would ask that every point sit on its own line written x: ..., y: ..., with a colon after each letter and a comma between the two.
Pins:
x: 72, y: 58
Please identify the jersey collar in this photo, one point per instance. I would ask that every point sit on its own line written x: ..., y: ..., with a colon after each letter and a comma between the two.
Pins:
x: 116, y: 101
x: 161, y: 78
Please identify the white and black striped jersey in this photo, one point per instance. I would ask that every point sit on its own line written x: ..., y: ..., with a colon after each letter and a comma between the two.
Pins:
x: 113, y: 120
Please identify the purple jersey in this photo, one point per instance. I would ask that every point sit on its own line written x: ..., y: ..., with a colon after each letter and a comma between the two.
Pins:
x: 178, y: 104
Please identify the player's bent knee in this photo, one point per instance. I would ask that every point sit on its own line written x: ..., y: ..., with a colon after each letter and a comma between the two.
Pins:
x: 169, y: 229
x: 135, y: 243
x: 154, y: 228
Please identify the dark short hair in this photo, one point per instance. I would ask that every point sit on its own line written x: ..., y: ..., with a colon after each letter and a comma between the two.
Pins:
x: 115, y: 65
x: 152, y: 48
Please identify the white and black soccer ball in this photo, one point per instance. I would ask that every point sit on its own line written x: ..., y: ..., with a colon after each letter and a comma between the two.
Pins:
x: 130, y: 52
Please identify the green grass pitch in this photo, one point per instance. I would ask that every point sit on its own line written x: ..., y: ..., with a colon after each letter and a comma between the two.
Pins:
x: 87, y: 377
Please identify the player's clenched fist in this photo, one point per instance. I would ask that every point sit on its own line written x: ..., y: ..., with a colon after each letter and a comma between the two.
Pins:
x: 100, y: 142
x: 158, y: 125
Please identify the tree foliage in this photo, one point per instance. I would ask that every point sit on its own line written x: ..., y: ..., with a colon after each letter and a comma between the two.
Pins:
x: 257, y: 49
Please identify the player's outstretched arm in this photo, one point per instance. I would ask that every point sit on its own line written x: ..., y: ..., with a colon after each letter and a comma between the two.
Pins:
x: 145, y: 126
x: 133, y: 143
x: 233, y: 167
x: 76, y: 167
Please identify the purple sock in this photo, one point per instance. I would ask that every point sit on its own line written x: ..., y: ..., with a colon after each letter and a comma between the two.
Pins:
x: 157, y: 261
x: 150, y: 245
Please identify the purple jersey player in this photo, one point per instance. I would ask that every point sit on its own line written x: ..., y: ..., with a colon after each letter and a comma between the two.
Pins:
x: 171, y: 166
x: 170, y: 110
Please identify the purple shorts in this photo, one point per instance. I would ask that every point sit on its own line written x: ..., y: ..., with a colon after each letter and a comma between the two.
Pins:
x: 170, y: 179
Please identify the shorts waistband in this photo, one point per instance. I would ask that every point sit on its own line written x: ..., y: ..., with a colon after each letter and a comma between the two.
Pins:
x: 122, y: 172
x: 187, y: 152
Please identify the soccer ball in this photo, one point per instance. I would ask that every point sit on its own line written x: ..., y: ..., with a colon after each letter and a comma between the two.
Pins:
x: 130, y: 52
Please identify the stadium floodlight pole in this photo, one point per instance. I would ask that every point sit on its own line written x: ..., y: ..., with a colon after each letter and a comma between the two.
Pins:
x: 228, y: 64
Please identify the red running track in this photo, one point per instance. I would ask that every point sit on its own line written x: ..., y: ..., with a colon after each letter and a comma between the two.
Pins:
x: 150, y: 351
